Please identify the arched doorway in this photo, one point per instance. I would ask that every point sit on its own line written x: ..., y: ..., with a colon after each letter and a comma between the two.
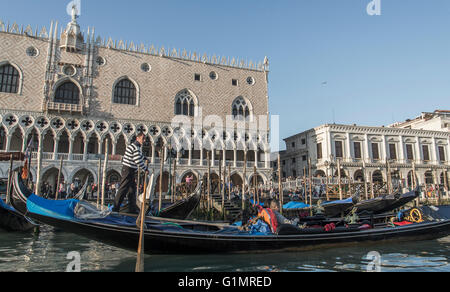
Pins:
x: 63, y: 143
x: 429, y: 177
x: 319, y: 174
x: 78, y: 144
x: 16, y: 140
x: 93, y: 145
x: 81, y: 176
x: 48, y: 144
x: 377, y: 177
x: 359, y: 176
x: 256, y: 178
x: 113, y: 177
x: 50, y: 179
x: 189, y: 182
x: 236, y: 180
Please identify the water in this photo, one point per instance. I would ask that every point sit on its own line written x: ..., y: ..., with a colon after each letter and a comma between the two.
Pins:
x: 48, y: 252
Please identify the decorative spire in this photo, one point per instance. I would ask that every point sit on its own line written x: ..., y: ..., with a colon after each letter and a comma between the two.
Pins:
x: 74, y: 13
x: 72, y: 39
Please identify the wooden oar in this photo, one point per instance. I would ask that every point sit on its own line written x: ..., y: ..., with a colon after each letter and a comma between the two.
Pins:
x: 140, y: 254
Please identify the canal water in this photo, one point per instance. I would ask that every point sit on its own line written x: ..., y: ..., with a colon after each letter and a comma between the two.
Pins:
x: 51, y: 251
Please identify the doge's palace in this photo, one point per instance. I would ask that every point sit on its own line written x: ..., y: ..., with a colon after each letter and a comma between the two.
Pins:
x: 75, y: 95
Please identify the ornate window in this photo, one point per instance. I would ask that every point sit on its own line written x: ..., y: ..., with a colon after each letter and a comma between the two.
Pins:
x: 241, y: 108
x: 68, y: 93
x: 9, y: 79
x: 125, y: 92
x: 185, y: 103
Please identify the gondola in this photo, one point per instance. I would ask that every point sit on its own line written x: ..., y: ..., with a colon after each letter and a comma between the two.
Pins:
x: 401, y: 200
x: 183, y: 238
x: 12, y: 221
x: 330, y: 209
x: 183, y: 208
x: 384, y: 203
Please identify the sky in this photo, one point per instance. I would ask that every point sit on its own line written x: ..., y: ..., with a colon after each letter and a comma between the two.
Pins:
x: 330, y: 61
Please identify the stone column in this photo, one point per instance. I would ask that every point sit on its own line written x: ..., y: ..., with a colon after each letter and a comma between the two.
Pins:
x: 401, y: 150
x: 213, y: 157
x: 190, y: 156
x: 55, y: 149
x: 85, y: 150
x: 235, y: 157
x: 70, y: 156
x: 8, y: 143
x: 153, y: 154
x: 224, y: 157
x: 201, y: 155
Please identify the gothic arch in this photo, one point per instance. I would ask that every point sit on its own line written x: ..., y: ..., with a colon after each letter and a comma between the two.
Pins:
x: 20, y: 73
x: 67, y: 80
x: 242, y: 108
x: 131, y: 88
x: 186, y: 103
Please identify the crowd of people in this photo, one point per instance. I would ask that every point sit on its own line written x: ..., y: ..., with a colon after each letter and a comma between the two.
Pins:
x: 69, y: 191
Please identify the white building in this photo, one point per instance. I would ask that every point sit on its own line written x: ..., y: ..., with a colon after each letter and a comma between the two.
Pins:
x: 365, y: 151
x: 439, y: 120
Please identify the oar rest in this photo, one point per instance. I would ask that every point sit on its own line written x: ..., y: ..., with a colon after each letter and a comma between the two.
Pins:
x: 289, y: 229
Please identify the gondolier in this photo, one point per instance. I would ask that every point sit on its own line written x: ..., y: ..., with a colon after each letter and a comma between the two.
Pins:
x: 132, y: 159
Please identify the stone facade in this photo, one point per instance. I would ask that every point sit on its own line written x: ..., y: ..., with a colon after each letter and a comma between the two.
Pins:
x: 365, y: 151
x: 78, y: 132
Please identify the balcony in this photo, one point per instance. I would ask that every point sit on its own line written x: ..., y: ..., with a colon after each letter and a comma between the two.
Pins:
x: 64, y: 107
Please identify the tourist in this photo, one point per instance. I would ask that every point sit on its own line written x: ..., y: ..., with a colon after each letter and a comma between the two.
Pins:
x: 130, y: 162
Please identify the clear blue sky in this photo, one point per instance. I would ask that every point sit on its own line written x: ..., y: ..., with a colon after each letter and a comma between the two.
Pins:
x: 377, y: 69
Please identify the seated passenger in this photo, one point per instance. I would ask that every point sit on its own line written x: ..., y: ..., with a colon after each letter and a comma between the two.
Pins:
x: 271, y: 215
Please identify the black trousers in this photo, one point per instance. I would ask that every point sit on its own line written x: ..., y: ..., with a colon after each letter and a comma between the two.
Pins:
x: 128, y: 189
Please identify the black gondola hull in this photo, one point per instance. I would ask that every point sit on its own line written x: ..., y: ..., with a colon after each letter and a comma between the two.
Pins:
x: 169, y: 242
x: 13, y: 221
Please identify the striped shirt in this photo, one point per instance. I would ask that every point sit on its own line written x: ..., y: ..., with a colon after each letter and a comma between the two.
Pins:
x: 133, y: 157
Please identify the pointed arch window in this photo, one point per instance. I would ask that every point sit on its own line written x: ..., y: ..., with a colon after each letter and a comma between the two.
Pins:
x: 67, y: 93
x: 185, y: 104
x: 9, y: 79
x: 125, y: 92
x: 241, y: 109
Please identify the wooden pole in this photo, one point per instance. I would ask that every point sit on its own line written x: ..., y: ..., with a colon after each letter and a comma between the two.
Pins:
x: 326, y: 191
x: 229, y: 182
x: 8, y: 187
x: 339, y: 179
x: 98, y: 181
x: 208, y: 193
x: 59, y: 178
x: 174, y: 181
x: 220, y: 184
x: 280, y: 188
x: 366, y: 192
x: 254, y: 184
x: 446, y: 181
x: 105, y: 169
x: 371, y: 185
x: 161, y: 156
x: 310, y: 187
x: 244, y: 179
x: 140, y: 254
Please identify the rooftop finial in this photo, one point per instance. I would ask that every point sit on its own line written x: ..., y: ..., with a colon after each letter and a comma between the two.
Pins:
x: 74, y: 13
